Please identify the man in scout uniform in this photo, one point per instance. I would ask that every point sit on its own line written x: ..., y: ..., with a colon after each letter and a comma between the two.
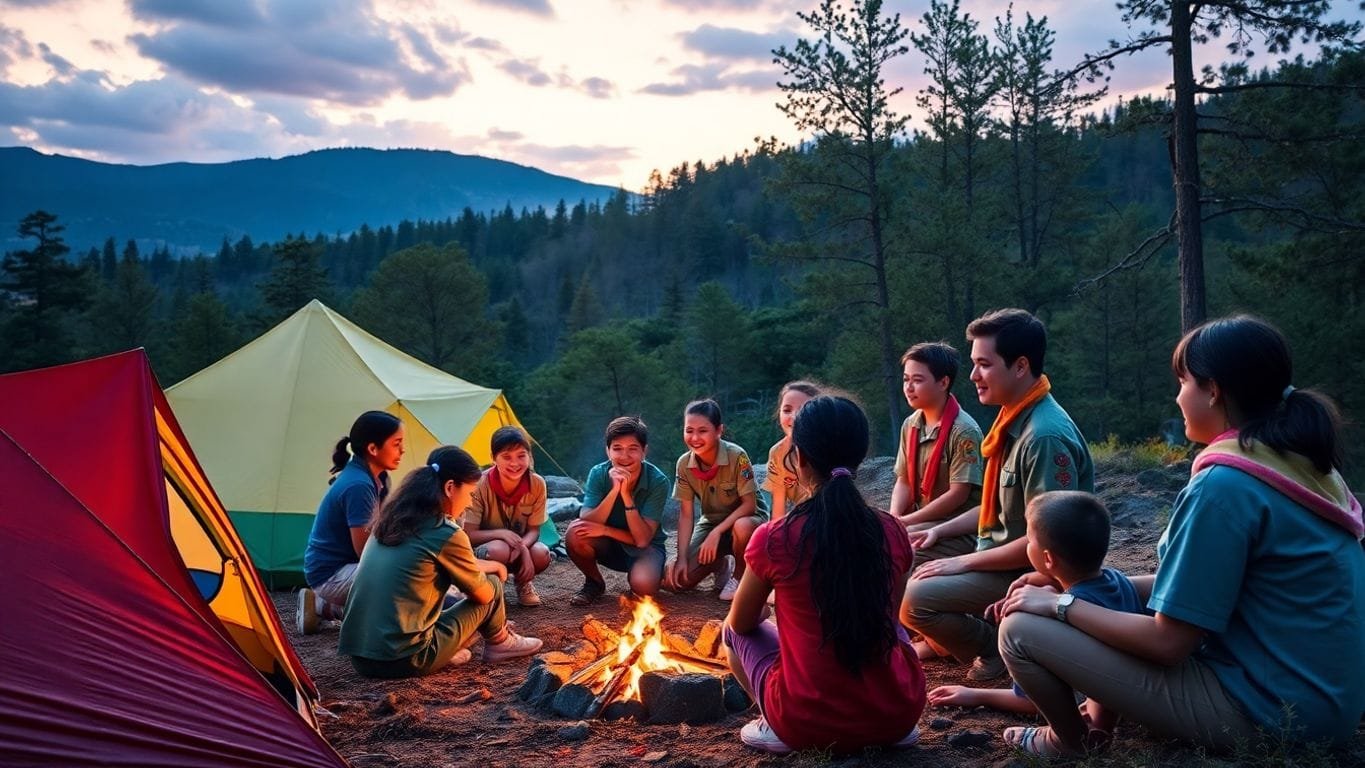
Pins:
x: 1032, y: 447
x: 938, y: 462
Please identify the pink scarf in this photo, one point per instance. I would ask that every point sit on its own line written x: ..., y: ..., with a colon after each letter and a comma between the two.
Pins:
x: 1324, y: 495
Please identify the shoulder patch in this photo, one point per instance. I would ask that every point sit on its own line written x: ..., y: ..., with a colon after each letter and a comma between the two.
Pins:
x: 1061, y: 460
x: 1063, y: 478
x: 966, y: 448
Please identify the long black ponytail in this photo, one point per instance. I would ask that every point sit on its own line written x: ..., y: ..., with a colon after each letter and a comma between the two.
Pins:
x: 850, y: 560
x: 369, y: 428
x: 416, y: 505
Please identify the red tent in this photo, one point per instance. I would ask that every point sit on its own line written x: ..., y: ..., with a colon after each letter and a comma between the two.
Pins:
x: 134, y: 629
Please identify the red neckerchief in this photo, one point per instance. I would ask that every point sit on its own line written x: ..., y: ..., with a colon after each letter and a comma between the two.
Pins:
x: 945, y: 427
x: 516, y: 495
x: 706, y: 475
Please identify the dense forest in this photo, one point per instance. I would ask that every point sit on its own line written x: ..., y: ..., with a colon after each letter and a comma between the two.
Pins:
x: 730, y: 277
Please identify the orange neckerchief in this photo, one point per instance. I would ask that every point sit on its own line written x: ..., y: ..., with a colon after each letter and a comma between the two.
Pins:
x: 992, y: 448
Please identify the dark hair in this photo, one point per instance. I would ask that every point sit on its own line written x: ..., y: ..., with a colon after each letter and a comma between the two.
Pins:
x: 416, y: 504
x: 370, y: 428
x: 1249, y: 360
x: 508, y: 437
x: 938, y: 356
x: 708, y: 408
x: 627, y: 426
x: 1073, y: 526
x: 850, y: 564
x: 1017, y: 334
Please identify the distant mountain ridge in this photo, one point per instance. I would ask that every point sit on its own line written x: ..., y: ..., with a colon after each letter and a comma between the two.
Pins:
x: 196, y: 205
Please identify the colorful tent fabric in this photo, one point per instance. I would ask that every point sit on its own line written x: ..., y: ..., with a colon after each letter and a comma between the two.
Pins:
x: 134, y: 629
x: 264, y: 421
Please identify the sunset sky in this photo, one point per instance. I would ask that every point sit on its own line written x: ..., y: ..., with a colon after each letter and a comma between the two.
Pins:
x: 602, y: 90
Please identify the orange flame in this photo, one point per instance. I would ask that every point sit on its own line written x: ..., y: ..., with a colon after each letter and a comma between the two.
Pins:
x: 645, y: 626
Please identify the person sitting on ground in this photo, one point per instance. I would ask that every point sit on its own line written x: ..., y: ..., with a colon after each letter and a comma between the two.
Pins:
x: 396, y: 623
x: 781, y: 482
x: 715, y: 479
x: 621, y: 523
x: 506, y: 511
x: 359, y: 484
x: 1033, y: 446
x: 840, y: 674
x: 1068, y: 538
x: 1259, y: 625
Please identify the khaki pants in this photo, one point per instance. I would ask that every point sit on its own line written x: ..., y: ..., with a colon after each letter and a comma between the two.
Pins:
x: 957, y: 545
x: 947, y: 610
x: 1051, y: 660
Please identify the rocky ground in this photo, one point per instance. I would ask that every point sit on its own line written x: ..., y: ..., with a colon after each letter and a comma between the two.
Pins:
x: 469, y: 715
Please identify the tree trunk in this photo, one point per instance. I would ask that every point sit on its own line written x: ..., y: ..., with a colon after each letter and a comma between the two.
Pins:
x: 1185, y: 171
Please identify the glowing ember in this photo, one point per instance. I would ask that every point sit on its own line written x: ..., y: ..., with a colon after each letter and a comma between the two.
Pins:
x: 645, y: 630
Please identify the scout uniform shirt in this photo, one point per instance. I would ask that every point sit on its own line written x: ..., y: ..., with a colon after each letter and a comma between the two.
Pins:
x: 1044, y: 451
x: 716, y: 498
x: 490, y: 513
x: 780, y: 475
x: 961, y: 463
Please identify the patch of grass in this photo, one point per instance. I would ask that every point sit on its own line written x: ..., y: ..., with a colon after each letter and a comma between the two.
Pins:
x: 1150, y: 454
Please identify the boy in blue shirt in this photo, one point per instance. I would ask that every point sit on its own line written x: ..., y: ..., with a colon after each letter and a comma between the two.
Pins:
x: 621, y: 523
x: 1068, y: 538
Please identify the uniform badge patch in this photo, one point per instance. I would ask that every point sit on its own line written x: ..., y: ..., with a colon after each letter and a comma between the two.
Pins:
x: 967, y: 450
x: 1063, y: 477
x: 1061, y: 460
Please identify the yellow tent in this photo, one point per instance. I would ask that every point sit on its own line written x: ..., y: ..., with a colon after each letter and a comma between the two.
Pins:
x: 264, y: 420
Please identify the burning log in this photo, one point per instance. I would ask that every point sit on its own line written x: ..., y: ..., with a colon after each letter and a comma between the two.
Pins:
x: 618, y: 679
x: 589, y: 673
x: 604, y: 637
x: 700, y: 664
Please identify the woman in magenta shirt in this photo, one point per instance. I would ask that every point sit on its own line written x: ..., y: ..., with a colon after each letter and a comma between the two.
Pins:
x: 840, y: 675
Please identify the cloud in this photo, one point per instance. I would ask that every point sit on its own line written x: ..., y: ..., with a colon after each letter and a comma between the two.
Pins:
x: 699, y: 78
x: 13, y: 46
x: 329, y: 50
x: 575, y: 160
x: 59, y: 65
x: 484, y: 44
x: 232, y: 15
x: 533, y: 7
x: 528, y: 72
x: 736, y: 6
x: 730, y: 43
x: 30, y: 3
x: 497, y: 134
x: 103, y: 46
x: 599, y: 88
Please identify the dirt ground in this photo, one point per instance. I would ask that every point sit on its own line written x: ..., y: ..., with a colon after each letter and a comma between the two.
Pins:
x: 469, y: 715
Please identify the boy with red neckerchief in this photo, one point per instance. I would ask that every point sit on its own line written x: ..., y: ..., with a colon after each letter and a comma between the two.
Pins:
x: 938, y: 461
x: 506, y: 511
x: 1033, y: 447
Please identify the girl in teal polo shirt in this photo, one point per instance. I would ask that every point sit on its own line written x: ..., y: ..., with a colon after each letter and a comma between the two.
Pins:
x: 1259, y: 627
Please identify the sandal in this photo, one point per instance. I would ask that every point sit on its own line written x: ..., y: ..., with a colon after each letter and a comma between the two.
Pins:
x: 1037, y: 741
x: 588, y: 593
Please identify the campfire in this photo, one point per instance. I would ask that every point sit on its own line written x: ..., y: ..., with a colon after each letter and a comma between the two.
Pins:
x: 642, y: 671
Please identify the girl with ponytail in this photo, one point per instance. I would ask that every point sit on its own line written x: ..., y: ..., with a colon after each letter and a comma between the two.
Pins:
x: 361, y: 463
x: 397, y: 623
x: 1259, y: 626
x: 840, y: 675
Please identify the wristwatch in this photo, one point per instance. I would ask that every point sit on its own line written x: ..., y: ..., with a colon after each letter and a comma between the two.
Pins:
x: 1063, y: 603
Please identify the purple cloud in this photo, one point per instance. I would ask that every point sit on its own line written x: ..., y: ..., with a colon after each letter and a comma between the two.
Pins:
x: 730, y: 43
x: 528, y: 72
x: 533, y: 7
x: 699, y: 78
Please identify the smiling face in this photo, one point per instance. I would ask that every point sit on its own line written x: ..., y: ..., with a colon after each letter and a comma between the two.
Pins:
x: 626, y: 452
x: 1202, y: 409
x: 387, y: 455
x: 512, y: 462
x: 701, y: 436
x: 997, y: 382
x: 792, y: 400
x: 921, y: 389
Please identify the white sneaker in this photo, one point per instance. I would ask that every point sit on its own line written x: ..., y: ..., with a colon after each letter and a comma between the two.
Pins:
x: 721, y: 576
x: 526, y: 593
x: 306, y: 618
x: 514, y: 646
x: 727, y: 593
x: 759, y: 735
